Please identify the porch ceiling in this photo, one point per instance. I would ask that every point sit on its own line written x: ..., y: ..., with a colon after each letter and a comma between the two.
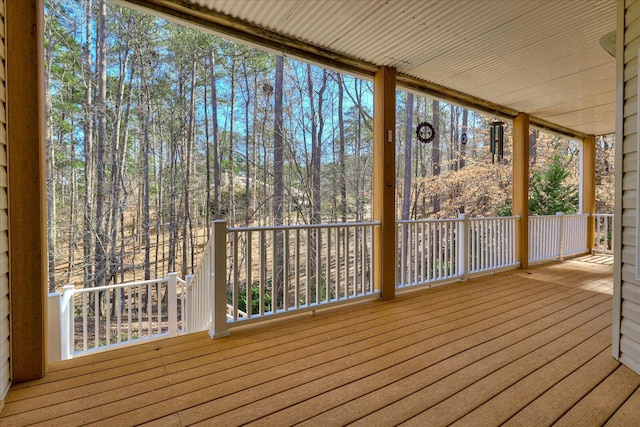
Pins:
x: 536, y: 56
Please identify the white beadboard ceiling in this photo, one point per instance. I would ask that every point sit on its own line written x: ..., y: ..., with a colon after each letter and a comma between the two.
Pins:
x: 542, y: 57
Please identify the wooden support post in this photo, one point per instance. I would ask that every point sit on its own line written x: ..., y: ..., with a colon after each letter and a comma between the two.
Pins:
x: 384, y: 181
x: 588, y: 185
x: 521, y: 186
x: 54, y: 327
x: 27, y: 195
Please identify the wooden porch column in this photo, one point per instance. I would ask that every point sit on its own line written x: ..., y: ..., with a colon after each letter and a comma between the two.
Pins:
x: 27, y: 188
x: 384, y: 181
x: 588, y: 185
x: 521, y: 186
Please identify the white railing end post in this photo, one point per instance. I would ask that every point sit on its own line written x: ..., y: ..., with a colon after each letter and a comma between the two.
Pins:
x: 67, y: 322
x: 561, y: 240
x: 172, y: 297
x: 187, y: 304
x: 463, y: 246
x: 218, y: 326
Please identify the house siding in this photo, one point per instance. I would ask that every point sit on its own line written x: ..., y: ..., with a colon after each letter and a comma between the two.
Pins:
x: 5, y: 329
x: 626, y: 338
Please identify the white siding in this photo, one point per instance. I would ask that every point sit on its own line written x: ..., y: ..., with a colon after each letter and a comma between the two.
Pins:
x: 5, y: 343
x: 627, y: 305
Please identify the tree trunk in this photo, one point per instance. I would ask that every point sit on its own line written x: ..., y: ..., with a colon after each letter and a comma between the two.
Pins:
x: 247, y: 169
x: 87, y: 220
x: 230, y: 175
x: 533, y: 147
x: 408, y: 154
x: 435, y: 153
x: 216, y: 154
x: 101, y: 237
x: 278, y: 175
x: 342, y: 156
x: 187, y: 228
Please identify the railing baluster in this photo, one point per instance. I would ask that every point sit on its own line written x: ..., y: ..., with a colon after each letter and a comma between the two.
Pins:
x: 118, y: 301
x: 318, y: 234
x: 235, y: 280
x: 107, y: 313
x: 402, y: 249
x: 285, y: 269
x: 296, y: 257
x: 336, y: 263
x: 85, y: 315
x: 96, y: 318
x: 345, y: 261
x: 307, y: 270
x: 249, y: 275
x: 328, y: 266
x: 159, y: 300
x: 274, y: 272
x: 263, y: 274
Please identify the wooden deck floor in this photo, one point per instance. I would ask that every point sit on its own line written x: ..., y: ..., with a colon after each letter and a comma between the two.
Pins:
x: 521, y: 348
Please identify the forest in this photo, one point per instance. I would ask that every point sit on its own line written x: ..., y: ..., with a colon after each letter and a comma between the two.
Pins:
x: 154, y: 130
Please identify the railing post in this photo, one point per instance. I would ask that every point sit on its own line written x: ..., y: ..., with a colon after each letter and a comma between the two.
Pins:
x: 463, y: 247
x: 561, y: 239
x: 187, y: 305
x: 173, y: 303
x: 55, y: 336
x: 219, y: 301
x: 67, y: 310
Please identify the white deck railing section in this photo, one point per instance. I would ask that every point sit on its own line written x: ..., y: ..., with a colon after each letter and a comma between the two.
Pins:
x: 273, y: 270
x: 492, y: 243
x: 257, y: 272
x: 100, y: 318
x: 432, y: 251
x: 555, y: 236
x: 603, y: 236
x: 427, y: 251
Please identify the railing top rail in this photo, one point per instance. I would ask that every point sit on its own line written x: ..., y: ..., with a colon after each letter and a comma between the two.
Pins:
x: 121, y: 285
x: 556, y: 215
x: 424, y: 221
x: 303, y: 226
x: 419, y: 221
x: 603, y: 214
x: 494, y: 218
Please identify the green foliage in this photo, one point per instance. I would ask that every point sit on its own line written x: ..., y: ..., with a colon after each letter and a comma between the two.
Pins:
x: 550, y: 193
x: 506, y: 209
x: 255, y: 297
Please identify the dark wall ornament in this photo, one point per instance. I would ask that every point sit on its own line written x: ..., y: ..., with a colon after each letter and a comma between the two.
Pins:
x: 425, y: 132
x: 496, y: 140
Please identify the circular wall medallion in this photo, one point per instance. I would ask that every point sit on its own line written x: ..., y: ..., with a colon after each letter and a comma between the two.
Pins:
x: 425, y: 132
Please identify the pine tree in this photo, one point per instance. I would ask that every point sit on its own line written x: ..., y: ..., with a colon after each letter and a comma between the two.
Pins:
x: 549, y: 193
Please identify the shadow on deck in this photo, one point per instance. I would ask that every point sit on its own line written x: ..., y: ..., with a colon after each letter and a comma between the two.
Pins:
x: 521, y: 347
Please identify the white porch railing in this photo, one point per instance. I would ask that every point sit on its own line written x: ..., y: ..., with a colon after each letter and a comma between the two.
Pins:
x: 93, y: 319
x: 603, y: 236
x: 492, y: 243
x: 252, y: 273
x: 428, y: 251
x: 432, y: 251
x: 556, y: 236
x: 275, y: 270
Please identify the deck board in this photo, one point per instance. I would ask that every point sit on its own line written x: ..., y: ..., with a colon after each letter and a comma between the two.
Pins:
x: 521, y: 347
